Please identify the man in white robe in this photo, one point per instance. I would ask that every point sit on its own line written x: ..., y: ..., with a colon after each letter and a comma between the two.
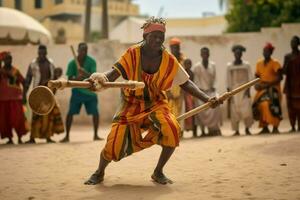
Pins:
x: 238, y: 73
x: 205, y: 78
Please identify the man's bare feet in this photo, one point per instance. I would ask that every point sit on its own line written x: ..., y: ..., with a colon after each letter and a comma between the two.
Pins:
x: 96, y: 178
x: 236, y: 133
x: 20, y: 140
x: 247, y: 131
x: 275, y: 130
x: 10, y: 141
x: 97, y: 138
x: 49, y: 140
x: 65, y: 140
x: 31, y: 141
x: 160, y: 178
x: 292, y: 130
x: 264, y: 130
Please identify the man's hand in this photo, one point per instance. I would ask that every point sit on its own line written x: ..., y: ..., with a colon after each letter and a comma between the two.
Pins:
x: 214, y: 102
x: 97, y: 80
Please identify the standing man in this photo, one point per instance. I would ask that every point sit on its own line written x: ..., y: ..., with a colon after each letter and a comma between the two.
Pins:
x: 79, y: 95
x: 268, y: 96
x: 238, y: 73
x: 291, y: 69
x: 12, y: 115
x: 189, y: 123
x: 175, y: 95
x: 205, y: 78
x: 40, y: 71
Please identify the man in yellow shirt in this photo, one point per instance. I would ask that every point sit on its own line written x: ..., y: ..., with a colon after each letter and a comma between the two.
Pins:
x: 268, y: 96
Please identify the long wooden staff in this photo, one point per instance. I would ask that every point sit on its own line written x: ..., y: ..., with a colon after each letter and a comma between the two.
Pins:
x: 61, y: 84
x: 223, y: 97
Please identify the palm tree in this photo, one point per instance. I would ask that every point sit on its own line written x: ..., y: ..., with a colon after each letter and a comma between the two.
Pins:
x: 104, y: 19
x: 87, y: 25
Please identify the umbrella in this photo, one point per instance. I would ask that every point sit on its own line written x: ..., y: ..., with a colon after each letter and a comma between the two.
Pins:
x: 19, y: 28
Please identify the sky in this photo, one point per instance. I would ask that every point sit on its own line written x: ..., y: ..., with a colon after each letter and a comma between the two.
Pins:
x: 178, y: 8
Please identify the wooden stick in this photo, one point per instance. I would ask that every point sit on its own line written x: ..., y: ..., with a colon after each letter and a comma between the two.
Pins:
x: 61, y: 84
x: 75, y: 57
x: 223, y: 97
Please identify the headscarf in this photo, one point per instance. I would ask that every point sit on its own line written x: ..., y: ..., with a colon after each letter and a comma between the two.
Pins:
x: 175, y: 41
x: 269, y: 46
x: 154, y: 27
x: 3, y: 55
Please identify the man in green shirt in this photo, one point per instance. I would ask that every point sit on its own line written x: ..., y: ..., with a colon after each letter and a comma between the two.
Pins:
x: 79, y: 95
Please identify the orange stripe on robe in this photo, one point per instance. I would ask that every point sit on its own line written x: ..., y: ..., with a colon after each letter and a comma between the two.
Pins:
x: 143, y: 109
x: 267, y: 73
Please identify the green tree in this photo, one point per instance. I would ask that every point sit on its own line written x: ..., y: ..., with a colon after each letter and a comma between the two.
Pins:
x: 251, y: 15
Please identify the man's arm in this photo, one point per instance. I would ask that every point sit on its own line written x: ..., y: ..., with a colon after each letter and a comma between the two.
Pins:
x: 191, y: 88
x: 27, y: 83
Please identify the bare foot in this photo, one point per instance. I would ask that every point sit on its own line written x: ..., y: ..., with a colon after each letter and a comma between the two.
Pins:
x: 161, y: 178
x: 9, y: 141
x: 49, y: 140
x: 31, y: 141
x: 264, y: 130
x: 96, y: 178
x: 65, y: 140
x: 97, y: 138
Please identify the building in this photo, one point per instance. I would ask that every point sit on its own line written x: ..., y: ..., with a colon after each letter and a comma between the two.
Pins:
x: 128, y: 31
x: 65, y: 18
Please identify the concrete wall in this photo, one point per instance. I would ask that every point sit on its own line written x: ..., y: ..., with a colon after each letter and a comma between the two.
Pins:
x: 107, y: 52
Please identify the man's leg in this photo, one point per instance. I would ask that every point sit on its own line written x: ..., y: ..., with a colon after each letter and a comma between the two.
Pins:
x: 158, y: 175
x: 292, y: 115
x: 69, y: 121
x: 98, y: 175
x: 96, y: 125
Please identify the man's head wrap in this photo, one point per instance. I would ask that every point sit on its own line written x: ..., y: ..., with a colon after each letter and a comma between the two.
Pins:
x: 269, y: 46
x: 154, y: 24
x: 4, y: 54
x: 175, y: 41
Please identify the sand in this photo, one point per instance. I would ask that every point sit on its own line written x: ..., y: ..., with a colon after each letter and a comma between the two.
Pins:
x: 244, y: 167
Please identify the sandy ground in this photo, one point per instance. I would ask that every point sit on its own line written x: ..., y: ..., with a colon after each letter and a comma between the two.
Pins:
x: 245, y: 167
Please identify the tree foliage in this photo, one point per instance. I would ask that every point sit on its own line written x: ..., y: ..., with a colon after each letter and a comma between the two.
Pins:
x: 251, y: 15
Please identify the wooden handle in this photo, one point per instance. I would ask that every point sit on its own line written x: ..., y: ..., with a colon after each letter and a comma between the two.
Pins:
x: 75, y: 57
x: 61, y: 84
x: 223, y: 97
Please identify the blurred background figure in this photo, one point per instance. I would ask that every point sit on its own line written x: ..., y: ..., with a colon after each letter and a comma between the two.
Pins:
x: 268, y: 95
x: 175, y: 95
x: 189, y: 123
x: 205, y: 78
x: 39, y: 72
x: 12, y: 115
x: 238, y: 73
x: 291, y: 69
x: 79, y: 95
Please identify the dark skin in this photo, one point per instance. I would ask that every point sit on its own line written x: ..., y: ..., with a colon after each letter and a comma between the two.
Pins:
x: 267, y: 53
x: 264, y: 85
x: 238, y: 54
x: 7, y: 70
x: 151, y: 58
x: 82, y: 74
x: 44, y: 66
x: 295, y: 52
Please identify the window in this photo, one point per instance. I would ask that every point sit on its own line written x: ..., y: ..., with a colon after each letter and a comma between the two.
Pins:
x: 38, y: 3
x: 58, y: 1
x: 18, y: 4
